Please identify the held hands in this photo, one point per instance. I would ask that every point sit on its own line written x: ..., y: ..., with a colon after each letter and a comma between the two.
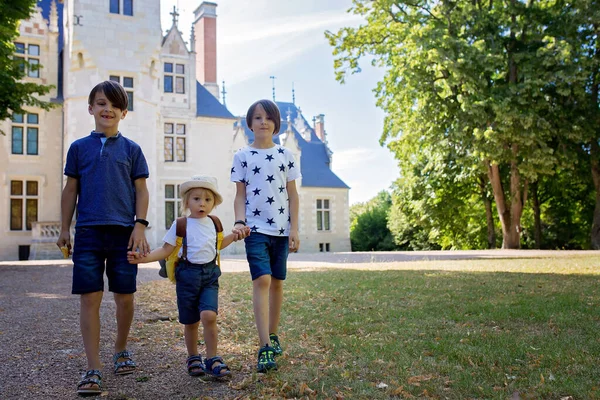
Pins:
x: 138, y: 242
x: 134, y: 257
x: 240, y: 232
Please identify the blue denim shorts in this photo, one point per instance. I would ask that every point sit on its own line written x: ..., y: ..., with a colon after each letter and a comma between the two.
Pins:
x: 197, y: 290
x: 267, y: 255
x: 99, y: 247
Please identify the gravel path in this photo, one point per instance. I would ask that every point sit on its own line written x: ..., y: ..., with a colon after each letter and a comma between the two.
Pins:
x: 42, y: 352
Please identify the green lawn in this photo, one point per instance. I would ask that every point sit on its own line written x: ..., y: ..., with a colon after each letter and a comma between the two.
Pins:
x: 485, y: 329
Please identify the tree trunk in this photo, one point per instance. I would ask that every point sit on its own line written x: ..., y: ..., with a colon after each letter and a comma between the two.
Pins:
x: 489, y: 216
x: 595, y: 234
x: 510, y: 214
x: 537, y: 222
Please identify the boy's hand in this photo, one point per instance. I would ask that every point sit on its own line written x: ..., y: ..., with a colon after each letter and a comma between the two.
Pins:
x: 294, y: 241
x: 64, y: 240
x: 138, y: 241
x: 240, y: 231
x: 134, y: 257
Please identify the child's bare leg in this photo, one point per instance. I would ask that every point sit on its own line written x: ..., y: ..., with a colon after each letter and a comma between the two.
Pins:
x: 89, y: 323
x: 260, y: 301
x: 275, y: 301
x: 190, y: 334
x: 125, y: 307
x: 209, y: 324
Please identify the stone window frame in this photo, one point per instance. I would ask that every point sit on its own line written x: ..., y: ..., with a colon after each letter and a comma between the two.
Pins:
x: 29, y: 125
x: 174, y: 73
x: 175, y: 133
x: 26, y: 51
x: 323, y: 207
x: 24, y: 194
x: 128, y: 84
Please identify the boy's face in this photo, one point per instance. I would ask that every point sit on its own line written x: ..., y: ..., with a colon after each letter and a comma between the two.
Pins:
x: 106, y: 116
x: 200, y: 202
x: 262, y: 125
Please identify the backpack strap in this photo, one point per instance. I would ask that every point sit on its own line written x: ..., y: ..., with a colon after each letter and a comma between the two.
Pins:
x: 180, y: 231
x: 219, y: 228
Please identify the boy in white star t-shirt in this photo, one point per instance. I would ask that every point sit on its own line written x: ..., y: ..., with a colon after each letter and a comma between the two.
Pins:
x: 267, y: 202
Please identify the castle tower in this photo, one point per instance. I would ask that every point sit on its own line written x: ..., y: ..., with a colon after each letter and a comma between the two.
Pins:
x: 205, y: 28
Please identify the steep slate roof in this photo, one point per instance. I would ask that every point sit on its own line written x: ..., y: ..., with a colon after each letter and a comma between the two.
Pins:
x: 208, y: 106
x: 314, y: 158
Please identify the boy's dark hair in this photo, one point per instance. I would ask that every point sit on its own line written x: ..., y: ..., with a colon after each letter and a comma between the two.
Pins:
x: 113, y: 91
x: 272, y: 112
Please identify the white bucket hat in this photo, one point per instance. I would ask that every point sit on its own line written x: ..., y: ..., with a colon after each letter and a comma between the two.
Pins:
x: 206, y: 182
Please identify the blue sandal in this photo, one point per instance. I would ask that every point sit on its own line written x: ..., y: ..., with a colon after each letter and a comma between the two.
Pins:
x: 124, y: 367
x: 195, y: 366
x: 88, y: 378
x: 216, y: 371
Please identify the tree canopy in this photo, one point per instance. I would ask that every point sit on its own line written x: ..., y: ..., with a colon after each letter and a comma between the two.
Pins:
x: 482, y: 99
x: 14, y: 91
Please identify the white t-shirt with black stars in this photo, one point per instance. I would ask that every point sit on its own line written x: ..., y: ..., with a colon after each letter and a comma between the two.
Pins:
x: 266, y: 173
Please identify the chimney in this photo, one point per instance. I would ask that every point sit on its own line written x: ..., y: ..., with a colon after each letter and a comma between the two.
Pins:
x: 320, y: 127
x: 205, y: 46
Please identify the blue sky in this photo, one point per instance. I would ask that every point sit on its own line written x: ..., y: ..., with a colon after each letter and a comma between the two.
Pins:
x: 285, y: 39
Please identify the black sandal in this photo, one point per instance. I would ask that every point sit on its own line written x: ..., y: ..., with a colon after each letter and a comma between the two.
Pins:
x: 120, y: 366
x: 87, y: 379
x: 216, y: 371
x: 195, y: 366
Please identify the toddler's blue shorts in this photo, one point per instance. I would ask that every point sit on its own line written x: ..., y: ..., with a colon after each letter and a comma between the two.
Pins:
x: 197, y: 289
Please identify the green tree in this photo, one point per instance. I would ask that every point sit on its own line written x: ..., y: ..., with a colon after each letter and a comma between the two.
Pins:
x: 15, y: 93
x: 473, y: 74
x: 368, y: 228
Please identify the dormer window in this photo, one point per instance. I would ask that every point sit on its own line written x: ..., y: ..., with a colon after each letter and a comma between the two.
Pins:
x: 28, y: 56
x: 124, y: 7
x: 174, y: 77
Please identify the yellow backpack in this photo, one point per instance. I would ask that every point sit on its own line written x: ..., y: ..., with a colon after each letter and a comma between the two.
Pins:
x: 180, y: 231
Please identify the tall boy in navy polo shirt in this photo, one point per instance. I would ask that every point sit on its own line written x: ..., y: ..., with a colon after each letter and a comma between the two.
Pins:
x: 106, y: 177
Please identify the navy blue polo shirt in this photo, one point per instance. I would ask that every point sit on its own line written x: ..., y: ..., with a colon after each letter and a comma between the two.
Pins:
x: 106, y: 169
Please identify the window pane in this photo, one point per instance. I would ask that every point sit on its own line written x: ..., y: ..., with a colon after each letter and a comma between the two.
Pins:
x: 32, y: 119
x: 33, y: 50
x: 16, y: 214
x: 17, y: 140
x: 130, y: 105
x: 127, y: 7
x: 32, y: 141
x: 34, y: 71
x: 114, y: 78
x: 21, y: 63
x: 326, y: 215
x: 180, y: 84
x: 20, y: 48
x: 168, y: 67
x: 168, y: 129
x: 169, y: 213
x: 319, y: 220
x: 168, y: 84
x: 180, y: 149
x: 320, y: 246
x: 16, y: 188
x: 17, y: 118
x: 32, y: 188
x: 169, y: 191
x: 319, y: 204
x: 180, y: 69
x: 168, y: 149
x: 114, y: 6
x: 181, y: 129
x: 127, y: 82
x: 32, y: 213
x: 325, y: 203
x: 326, y: 246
